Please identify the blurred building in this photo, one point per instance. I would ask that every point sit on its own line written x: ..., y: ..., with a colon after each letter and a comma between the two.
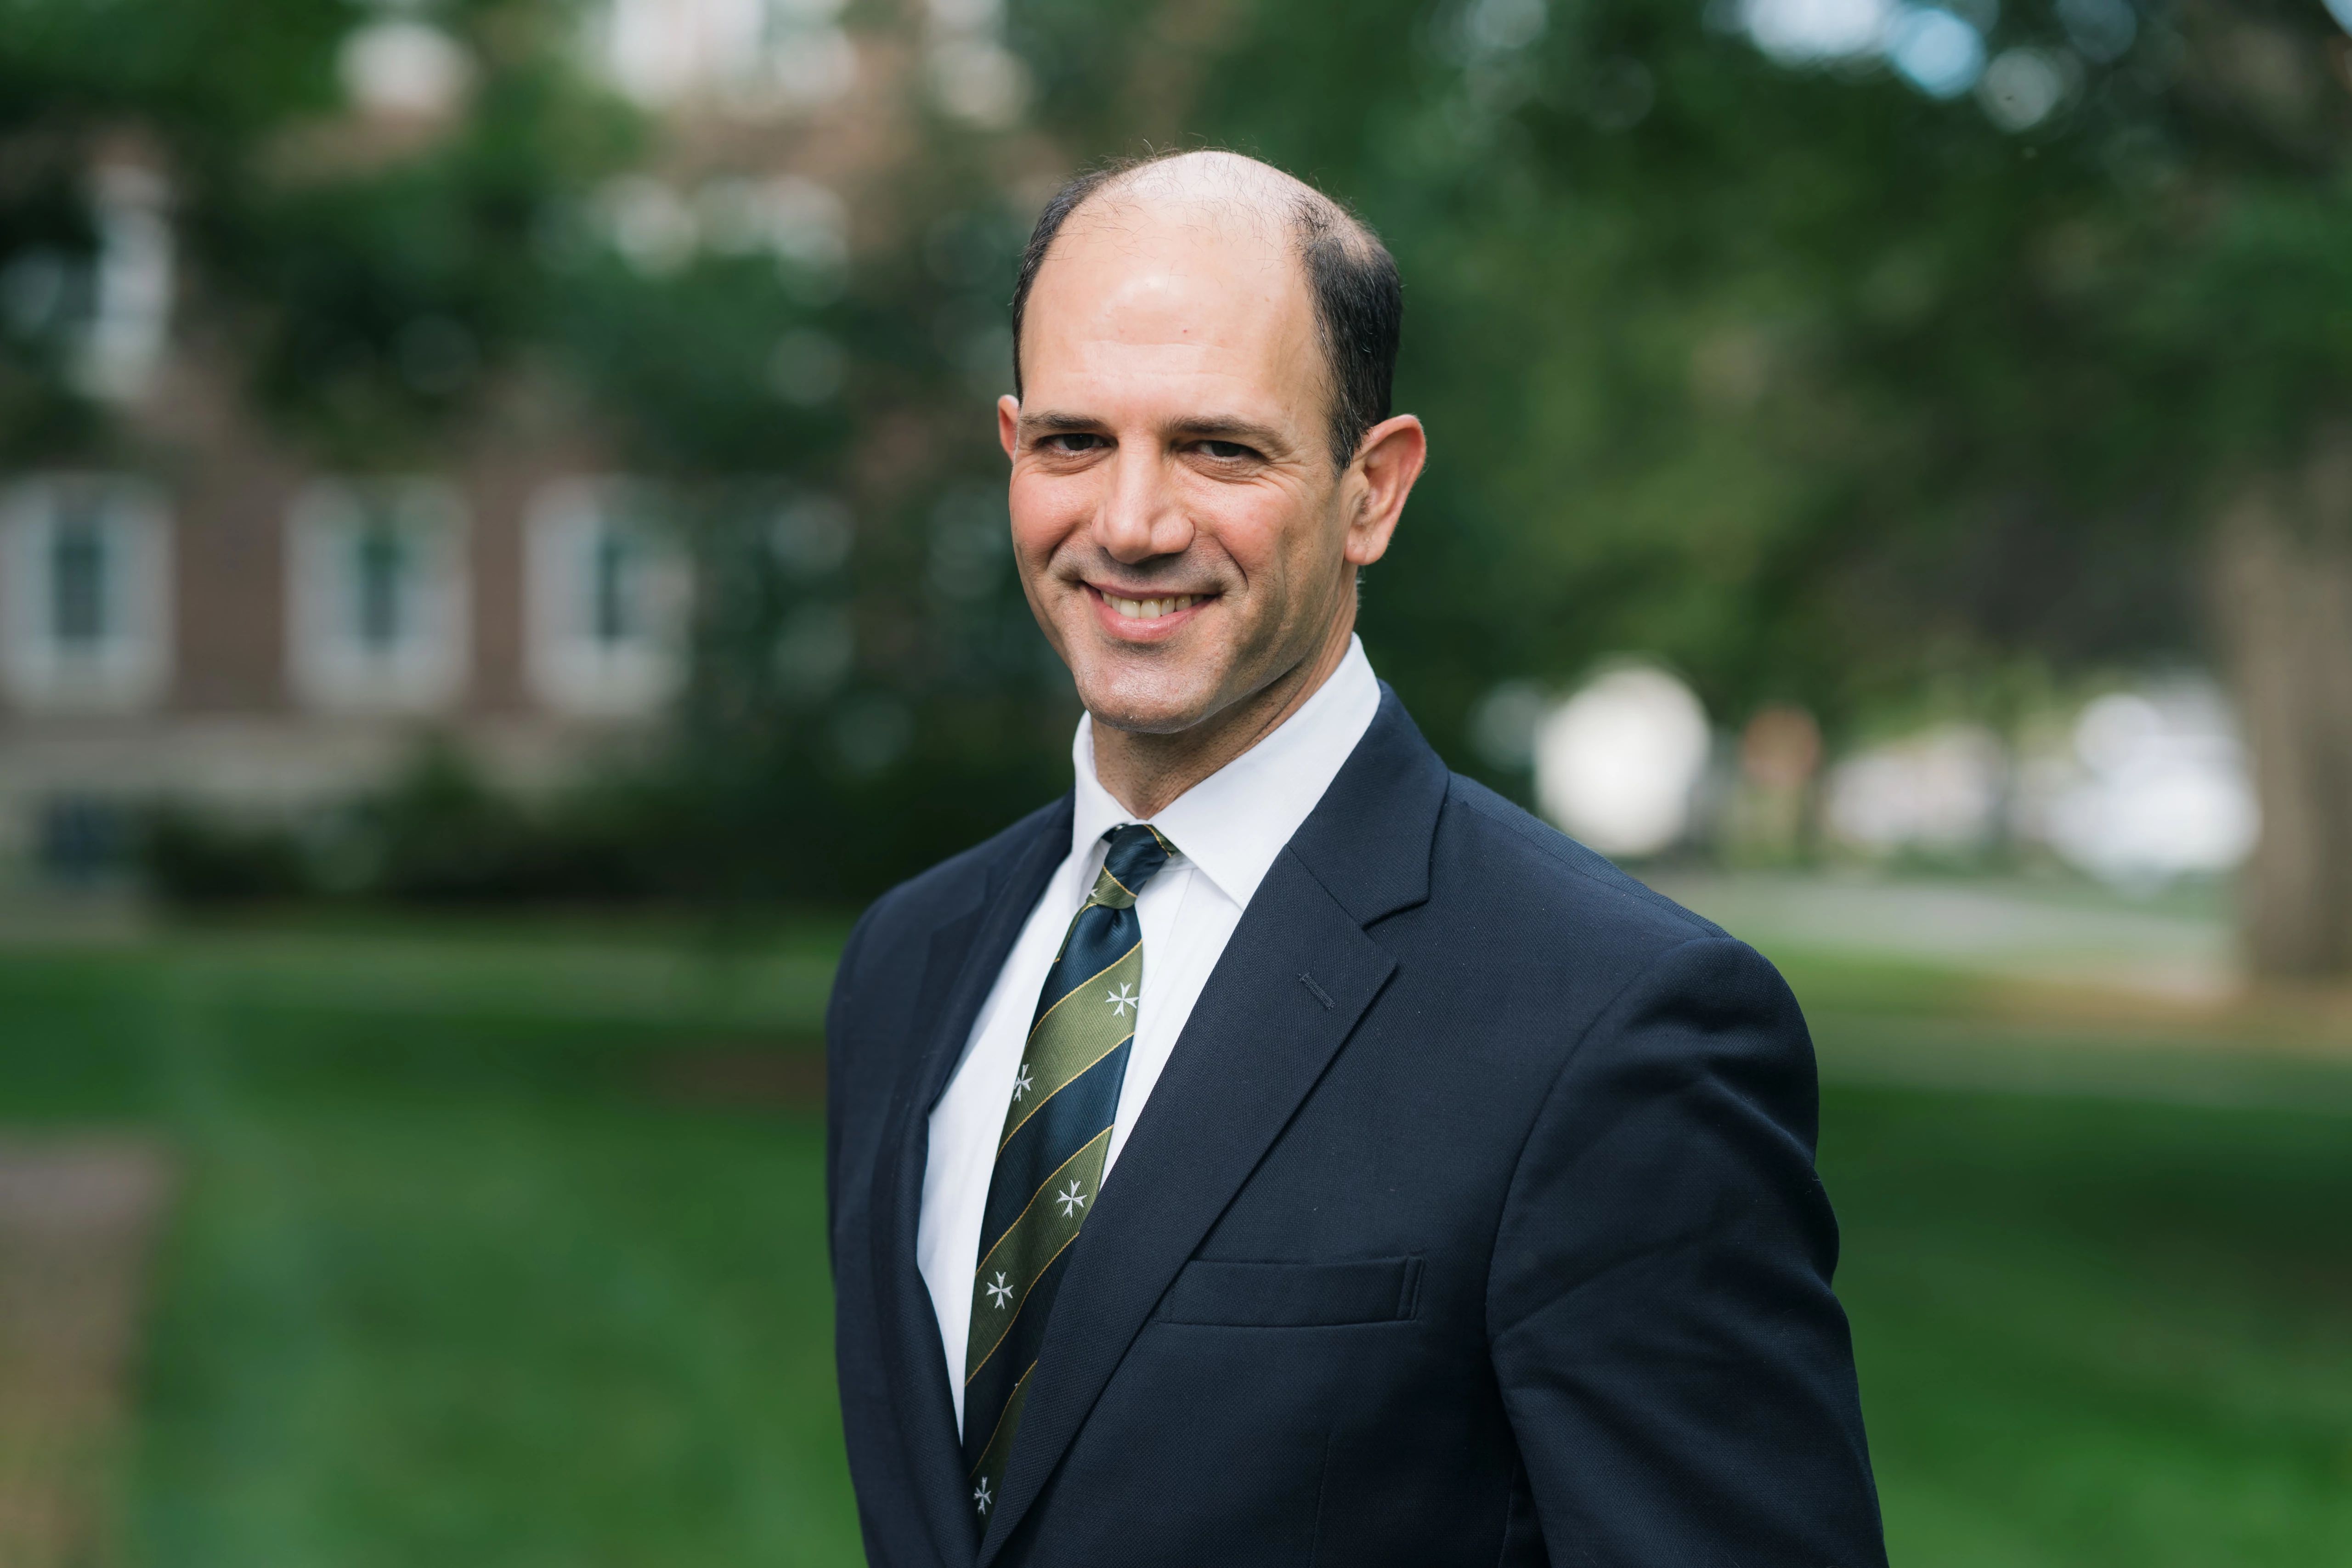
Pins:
x: 217, y: 620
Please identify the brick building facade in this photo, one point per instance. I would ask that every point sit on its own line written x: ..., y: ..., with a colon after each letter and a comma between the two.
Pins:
x: 216, y: 619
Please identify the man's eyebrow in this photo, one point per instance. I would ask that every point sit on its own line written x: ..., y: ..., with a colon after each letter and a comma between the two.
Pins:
x: 1228, y: 428
x: 1200, y: 427
x: 1053, y: 421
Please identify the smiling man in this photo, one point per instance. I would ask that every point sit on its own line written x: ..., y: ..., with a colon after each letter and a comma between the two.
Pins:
x: 1278, y: 1149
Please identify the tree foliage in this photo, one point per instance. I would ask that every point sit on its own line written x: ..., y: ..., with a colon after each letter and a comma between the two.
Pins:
x: 1813, y: 381
x: 1823, y: 386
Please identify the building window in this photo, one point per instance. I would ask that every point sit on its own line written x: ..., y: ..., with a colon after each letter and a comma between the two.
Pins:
x: 82, y: 839
x: 377, y: 586
x: 85, y: 593
x: 608, y: 589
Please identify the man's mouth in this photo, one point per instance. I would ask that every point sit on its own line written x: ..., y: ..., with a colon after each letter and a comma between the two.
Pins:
x: 1150, y: 609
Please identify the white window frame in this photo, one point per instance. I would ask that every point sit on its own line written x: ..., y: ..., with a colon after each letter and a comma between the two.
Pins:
x: 572, y: 665
x: 333, y: 665
x: 128, y: 666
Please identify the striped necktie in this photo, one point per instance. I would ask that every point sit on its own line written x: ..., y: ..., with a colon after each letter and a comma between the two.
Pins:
x: 1049, y: 1161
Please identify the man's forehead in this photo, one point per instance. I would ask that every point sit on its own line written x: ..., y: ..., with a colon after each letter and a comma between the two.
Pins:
x: 1173, y: 236
x: 1200, y: 274
x: 1237, y: 216
x: 1169, y: 309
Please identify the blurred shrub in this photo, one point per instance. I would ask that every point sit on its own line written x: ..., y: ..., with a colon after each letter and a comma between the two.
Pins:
x: 764, y: 831
x: 439, y: 835
x: 195, y: 857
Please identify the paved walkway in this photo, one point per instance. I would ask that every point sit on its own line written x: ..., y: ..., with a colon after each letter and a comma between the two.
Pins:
x: 2012, y: 929
x: 77, y: 1223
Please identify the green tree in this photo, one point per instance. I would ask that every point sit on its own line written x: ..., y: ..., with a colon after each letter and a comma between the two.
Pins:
x: 1825, y: 385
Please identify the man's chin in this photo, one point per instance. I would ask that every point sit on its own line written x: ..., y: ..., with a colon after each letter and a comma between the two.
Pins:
x: 1147, y: 707
x: 1146, y: 721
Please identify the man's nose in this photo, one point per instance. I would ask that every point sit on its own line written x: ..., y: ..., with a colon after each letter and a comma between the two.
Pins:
x: 1141, y: 517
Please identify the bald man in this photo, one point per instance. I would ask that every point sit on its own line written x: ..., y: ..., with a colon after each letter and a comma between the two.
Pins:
x: 1278, y: 1149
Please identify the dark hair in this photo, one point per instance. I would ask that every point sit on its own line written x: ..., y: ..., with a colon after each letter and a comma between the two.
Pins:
x: 1358, y: 297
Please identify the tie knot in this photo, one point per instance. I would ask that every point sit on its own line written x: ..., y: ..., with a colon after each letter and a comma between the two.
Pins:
x: 1136, y: 853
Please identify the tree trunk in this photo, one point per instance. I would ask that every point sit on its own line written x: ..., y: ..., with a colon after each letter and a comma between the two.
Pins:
x: 2282, y: 605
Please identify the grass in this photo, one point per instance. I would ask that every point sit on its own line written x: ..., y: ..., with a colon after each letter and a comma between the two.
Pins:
x: 2095, y: 1333
x: 464, y: 1272
x: 475, y: 1263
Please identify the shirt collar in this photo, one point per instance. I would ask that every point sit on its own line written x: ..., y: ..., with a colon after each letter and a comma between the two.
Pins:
x: 1234, y: 823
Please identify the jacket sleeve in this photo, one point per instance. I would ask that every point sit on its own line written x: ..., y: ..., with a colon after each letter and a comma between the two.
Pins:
x: 1678, y: 1375
x: 838, y: 1008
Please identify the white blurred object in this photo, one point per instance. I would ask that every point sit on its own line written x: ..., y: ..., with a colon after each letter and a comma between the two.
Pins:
x: 2024, y: 86
x: 1618, y: 763
x: 399, y: 67
x: 754, y: 56
x: 1939, y: 790
x: 658, y: 229
x: 1936, y: 52
x: 805, y: 223
x: 980, y: 80
x: 130, y: 324
x: 1805, y: 32
x: 650, y: 224
x: 973, y: 76
x: 2158, y: 788
x: 1940, y: 49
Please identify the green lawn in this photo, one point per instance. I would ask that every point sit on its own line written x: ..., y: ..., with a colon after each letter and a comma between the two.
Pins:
x: 501, y: 1248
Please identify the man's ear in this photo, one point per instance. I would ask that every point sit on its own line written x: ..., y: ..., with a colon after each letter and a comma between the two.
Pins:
x: 1008, y: 424
x: 1386, y: 466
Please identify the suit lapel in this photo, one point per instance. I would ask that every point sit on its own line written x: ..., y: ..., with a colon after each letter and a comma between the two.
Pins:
x: 1295, y: 979
x: 966, y: 952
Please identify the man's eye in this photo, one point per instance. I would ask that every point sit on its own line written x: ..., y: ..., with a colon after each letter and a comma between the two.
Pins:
x: 1227, y: 452
x: 1073, y: 441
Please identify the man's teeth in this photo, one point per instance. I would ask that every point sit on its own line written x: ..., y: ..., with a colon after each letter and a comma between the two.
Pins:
x: 1152, y: 609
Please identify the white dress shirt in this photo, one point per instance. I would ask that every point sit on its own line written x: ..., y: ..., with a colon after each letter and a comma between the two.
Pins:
x: 1227, y: 830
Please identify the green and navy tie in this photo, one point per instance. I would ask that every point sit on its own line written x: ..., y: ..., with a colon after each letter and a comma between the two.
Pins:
x: 1049, y: 1161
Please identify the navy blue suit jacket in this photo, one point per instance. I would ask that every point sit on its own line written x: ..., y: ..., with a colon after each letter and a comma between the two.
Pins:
x: 1474, y: 1221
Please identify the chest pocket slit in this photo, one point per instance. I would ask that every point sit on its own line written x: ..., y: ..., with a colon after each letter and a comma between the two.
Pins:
x: 1213, y: 1292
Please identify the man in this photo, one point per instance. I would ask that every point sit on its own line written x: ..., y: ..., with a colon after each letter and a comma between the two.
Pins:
x: 1278, y: 1149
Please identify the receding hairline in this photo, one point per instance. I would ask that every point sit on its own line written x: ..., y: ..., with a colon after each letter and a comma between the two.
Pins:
x: 1285, y: 209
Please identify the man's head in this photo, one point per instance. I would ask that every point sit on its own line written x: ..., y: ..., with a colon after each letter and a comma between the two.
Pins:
x: 1202, y: 455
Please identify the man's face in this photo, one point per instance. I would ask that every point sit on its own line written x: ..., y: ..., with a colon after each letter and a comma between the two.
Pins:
x: 1180, y: 533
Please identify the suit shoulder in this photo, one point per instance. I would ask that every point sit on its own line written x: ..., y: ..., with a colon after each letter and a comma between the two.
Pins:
x: 1530, y: 863
x: 1539, y: 909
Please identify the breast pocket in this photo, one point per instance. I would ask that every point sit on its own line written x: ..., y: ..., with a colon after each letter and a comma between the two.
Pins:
x: 1216, y: 1293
